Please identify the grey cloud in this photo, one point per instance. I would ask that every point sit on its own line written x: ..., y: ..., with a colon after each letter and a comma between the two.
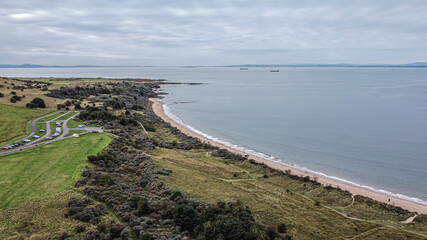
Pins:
x: 212, y: 32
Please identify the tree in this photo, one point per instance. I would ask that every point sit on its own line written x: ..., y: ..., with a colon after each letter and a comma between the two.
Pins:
x: 77, y: 107
x: 39, y: 103
x: 186, y: 217
x: 1, y: 94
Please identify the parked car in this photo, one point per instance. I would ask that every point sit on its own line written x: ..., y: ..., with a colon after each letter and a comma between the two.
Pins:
x: 26, y: 141
x: 49, y: 138
x: 35, y: 136
x: 41, y: 130
x: 80, y: 126
x: 5, y: 148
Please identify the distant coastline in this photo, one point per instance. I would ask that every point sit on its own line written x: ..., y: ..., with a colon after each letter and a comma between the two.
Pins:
x: 158, y: 108
x: 407, y: 65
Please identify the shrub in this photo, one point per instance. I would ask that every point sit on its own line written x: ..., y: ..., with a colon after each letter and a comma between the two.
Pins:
x: 102, y: 227
x: 146, y: 236
x: 186, y: 217
x: 175, y: 195
x: 134, y: 200
x: 149, y: 128
x: 143, y: 208
x: 1, y: 95
x: 116, y: 229
x: 12, y: 100
x: 281, y: 228
x: 63, y: 236
x: 103, y: 179
x: 13, y: 93
x: 79, y: 228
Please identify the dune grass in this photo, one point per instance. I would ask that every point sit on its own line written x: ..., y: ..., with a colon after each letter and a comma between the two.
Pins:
x: 46, y: 170
x: 309, y: 210
x: 13, y: 120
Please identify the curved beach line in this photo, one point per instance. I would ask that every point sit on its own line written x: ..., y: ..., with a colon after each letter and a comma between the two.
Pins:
x: 405, y: 202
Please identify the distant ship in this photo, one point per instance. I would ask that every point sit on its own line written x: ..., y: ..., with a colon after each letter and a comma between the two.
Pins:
x: 244, y: 68
x: 274, y: 71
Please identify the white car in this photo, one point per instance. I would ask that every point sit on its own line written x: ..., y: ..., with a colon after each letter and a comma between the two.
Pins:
x: 49, y: 138
x: 35, y: 136
x: 80, y: 126
x: 41, y: 130
x: 26, y: 141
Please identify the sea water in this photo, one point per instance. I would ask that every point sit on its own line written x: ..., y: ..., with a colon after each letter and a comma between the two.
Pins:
x: 366, y: 126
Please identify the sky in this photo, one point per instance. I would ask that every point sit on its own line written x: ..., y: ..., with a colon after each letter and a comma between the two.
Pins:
x: 215, y: 32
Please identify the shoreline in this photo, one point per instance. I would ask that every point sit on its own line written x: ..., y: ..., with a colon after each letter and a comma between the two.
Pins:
x: 326, y: 181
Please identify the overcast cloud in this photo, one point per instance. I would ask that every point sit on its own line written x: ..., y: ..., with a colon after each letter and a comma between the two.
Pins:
x: 159, y: 32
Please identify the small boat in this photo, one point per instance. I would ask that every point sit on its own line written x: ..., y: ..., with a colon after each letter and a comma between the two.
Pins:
x: 274, y: 71
x: 244, y: 68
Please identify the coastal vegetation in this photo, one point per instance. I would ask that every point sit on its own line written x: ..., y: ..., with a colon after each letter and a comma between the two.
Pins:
x: 151, y: 181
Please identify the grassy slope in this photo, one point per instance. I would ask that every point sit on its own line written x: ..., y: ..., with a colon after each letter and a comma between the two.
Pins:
x: 39, y: 219
x: 46, y: 170
x: 276, y: 198
x: 12, y: 120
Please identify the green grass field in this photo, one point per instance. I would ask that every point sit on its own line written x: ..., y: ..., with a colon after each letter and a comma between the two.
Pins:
x: 13, y: 119
x: 74, y: 124
x: 48, y: 118
x: 46, y: 170
x: 310, y: 211
x: 53, y: 126
x: 40, y: 126
x: 74, y: 131
x: 66, y: 116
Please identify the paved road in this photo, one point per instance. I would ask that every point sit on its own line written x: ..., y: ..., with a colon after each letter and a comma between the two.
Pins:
x: 48, y: 129
x: 65, y: 131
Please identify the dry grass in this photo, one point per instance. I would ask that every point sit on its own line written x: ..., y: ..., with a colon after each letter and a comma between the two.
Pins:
x: 273, y: 197
x: 41, y: 219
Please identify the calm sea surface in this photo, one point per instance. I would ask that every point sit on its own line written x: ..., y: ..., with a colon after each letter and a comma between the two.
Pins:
x: 364, y: 125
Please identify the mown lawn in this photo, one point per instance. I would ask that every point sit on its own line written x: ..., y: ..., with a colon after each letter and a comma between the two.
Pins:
x: 46, y: 170
x: 55, y: 115
x: 310, y: 211
x: 40, y: 126
x: 13, y: 119
x: 74, y: 124
x: 66, y: 116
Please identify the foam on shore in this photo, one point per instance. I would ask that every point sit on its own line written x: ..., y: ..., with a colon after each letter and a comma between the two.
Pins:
x: 175, y: 118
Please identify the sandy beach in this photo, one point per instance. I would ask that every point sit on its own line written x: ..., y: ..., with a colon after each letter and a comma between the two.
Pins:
x: 355, y: 190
